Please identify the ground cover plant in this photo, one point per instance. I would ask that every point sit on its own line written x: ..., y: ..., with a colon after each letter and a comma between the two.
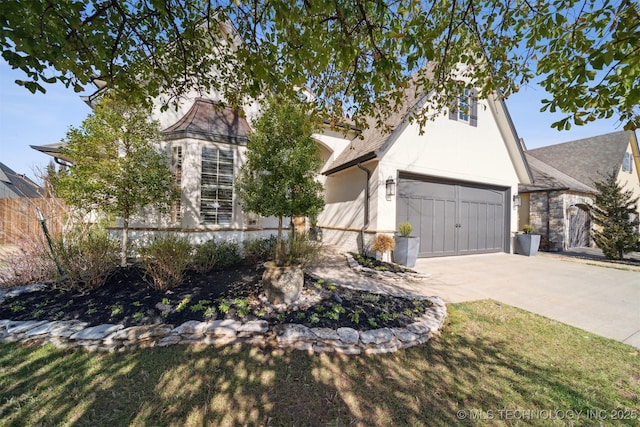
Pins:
x: 233, y: 293
x: 491, y: 363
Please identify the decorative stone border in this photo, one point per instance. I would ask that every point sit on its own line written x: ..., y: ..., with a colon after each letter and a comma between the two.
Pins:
x: 113, y: 337
x: 409, y: 275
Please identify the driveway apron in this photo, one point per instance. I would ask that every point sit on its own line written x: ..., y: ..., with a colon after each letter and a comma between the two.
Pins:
x: 601, y: 300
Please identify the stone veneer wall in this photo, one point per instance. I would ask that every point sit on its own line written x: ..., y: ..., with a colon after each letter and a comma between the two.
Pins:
x: 556, y: 217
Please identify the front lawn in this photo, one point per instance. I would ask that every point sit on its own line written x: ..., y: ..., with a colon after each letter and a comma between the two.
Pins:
x: 492, y: 361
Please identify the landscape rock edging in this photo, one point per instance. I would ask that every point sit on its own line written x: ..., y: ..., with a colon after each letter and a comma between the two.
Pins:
x: 114, y: 337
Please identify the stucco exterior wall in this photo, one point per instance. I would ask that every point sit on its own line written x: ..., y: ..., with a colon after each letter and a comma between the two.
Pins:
x: 631, y: 180
x: 447, y: 149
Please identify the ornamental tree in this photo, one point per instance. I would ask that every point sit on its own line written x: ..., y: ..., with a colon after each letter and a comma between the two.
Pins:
x: 616, y: 215
x: 279, y: 176
x: 353, y: 54
x: 116, y: 166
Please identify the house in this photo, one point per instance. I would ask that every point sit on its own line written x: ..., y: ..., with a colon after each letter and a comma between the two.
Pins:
x: 557, y: 204
x: 455, y: 182
x: 13, y: 184
x: 19, y: 197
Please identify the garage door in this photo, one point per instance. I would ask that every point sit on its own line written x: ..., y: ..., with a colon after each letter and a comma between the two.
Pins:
x: 453, y: 218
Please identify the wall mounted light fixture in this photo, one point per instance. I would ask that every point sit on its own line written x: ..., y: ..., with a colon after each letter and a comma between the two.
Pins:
x: 391, y: 187
x: 517, y: 200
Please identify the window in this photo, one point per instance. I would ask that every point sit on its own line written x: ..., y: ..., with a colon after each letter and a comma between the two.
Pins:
x: 465, y: 108
x: 627, y: 163
x: 216, y: 188
x: 176, y: 167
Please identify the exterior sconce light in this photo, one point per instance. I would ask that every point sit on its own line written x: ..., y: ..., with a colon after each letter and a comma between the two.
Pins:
x: 572, y: 210
x: 517, y: 200
x: 391, y: 187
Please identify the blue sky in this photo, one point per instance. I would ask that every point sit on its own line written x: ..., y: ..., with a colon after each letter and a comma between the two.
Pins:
x: 38, y: 119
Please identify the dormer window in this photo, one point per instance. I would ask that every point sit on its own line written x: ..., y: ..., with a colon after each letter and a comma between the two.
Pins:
x: 465, y: 107
x: 627, y: 163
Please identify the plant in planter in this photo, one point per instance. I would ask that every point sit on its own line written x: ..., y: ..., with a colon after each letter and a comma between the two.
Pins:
x: 279, y: 179
x: 407, y: 246
x: 383, y: 244
x: 527, y: 243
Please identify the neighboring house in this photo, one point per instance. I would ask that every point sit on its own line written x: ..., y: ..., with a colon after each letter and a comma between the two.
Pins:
x: 557, y: 205
x: 455, y: 182
x: 13, y: 184
x: 19, y: 197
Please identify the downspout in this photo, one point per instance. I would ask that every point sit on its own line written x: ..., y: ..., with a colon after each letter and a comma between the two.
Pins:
x: 367, y: 198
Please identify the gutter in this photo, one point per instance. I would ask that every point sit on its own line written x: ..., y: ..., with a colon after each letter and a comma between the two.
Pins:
x: 367, y: 198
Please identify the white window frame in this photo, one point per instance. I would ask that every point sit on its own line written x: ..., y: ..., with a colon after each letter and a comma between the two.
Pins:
x: 627, y: 162
x: 216, y: 185
x: 464, y: 108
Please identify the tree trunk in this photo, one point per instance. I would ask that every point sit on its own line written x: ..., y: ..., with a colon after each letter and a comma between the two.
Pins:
x: 125, y: 240
x: 279, y: 249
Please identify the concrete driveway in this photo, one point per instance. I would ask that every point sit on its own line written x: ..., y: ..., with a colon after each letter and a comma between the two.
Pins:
x: 601, y: 300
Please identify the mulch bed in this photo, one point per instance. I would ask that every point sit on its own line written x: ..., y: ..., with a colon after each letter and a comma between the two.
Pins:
x: 236, y: 293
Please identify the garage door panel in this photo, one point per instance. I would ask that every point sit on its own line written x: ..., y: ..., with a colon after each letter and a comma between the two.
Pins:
x: 453, y: 218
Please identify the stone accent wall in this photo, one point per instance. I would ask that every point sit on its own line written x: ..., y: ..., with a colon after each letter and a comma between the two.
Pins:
x: 551, y: 208
x: 113, y: 337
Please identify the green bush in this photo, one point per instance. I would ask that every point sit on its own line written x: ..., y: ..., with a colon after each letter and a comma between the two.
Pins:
x: 405, y: 229
x: 301, y: 250
x: 214, y: 255
x: 165, y: 261
x: 258, y: 250
x: 87, y: 257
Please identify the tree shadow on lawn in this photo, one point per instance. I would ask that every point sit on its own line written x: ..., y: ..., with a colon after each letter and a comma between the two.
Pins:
x: 467, y: 368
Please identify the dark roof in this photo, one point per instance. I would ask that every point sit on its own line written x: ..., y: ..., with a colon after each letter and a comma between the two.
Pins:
x: 546, y: 177
x: 211, y: 121
x: 586, y: 160
x: 18, y: 184
x: 373, y: 138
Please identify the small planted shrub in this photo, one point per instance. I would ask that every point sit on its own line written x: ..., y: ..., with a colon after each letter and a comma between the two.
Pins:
x: 383, y: 243
x: 527, y: 229
x: 86, y: 256
x: 258, y: 250
x: 30, y: 262
x: 405, y: 229
x: 166, y: 260
x: 214, y: 255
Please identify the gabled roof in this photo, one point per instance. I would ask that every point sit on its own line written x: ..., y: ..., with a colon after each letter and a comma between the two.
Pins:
x: 546, y: 178
x: 18, y: 184
x: 211, y: 121
x: 376, y: 138
x: 373, y: 138
x: 586, y: 159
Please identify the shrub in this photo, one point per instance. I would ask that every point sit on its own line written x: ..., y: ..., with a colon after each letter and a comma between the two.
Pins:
x: 87, y: 257
x: 258, y: 250
x: 527, y: 229
x: 302, y: 250
x: 166, y: 260
x: 228, y: 255
x: 383, y: 243
x: 405, y: 229
x: 29, y: 262
x: 214, y: 255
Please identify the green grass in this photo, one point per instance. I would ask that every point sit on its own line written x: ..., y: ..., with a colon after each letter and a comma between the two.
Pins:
x: 489, y: 358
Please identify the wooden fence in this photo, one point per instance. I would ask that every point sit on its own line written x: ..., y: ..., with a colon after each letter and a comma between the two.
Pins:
x: 19, y: 220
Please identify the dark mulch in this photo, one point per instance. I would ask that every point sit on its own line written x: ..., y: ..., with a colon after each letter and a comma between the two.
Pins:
x: 234, y: 294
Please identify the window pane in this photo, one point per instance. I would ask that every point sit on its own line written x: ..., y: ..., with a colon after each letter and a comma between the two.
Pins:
x: 216, y: 192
